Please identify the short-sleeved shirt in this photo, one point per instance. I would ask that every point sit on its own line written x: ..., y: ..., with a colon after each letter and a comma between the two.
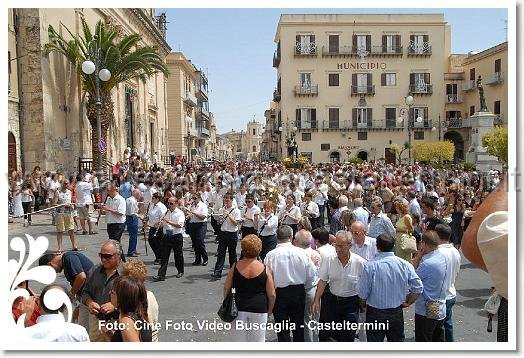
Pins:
x: 73, y: 263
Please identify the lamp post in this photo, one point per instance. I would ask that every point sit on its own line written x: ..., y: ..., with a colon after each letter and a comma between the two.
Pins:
x: 406, y: 112
x: 439, y: 128
x: 188, y: 126
x: 89, y: 67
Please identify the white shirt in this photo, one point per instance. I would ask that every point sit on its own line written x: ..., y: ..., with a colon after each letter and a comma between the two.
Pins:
x: 201, y: 209
x: 117, y: 203
x: 241, y: 199
x: 250, y: 213
x: 368, y: 250
x: 131, y: 206
x: 54, y: 328
x: 290, y: 266
x: 293, y: 211
x: 51, y: 188
x: 453, y: 260
x: 227, y: 225
x: 313, y: 253
x: 270, y: 227
x: 155, y: 213
x: 83, y: 194
x: 343, y: 281
x: 176, y: 216
x: 312, y: 208
x: 321, y: 196
x: 147, y: 195
x: 325, y: 251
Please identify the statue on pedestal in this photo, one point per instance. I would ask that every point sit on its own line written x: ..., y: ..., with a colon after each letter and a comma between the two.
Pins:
x: 483, y: 106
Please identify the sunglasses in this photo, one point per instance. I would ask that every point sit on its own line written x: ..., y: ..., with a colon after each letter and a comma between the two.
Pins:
x: 170, y: 203
x: 105, y: 256
x: 356, y: 232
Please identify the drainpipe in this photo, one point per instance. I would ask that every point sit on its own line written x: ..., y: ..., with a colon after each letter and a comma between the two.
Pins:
x: 20, y: 89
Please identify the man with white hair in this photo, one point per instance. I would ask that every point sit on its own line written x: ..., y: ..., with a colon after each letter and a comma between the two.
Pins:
x: 363, y: 245
x: 361, y: 214
x: 303, y: 240
x: 132, y: 221
x: 336, y: 224
x: 380, y: 223
x: 343, y: 272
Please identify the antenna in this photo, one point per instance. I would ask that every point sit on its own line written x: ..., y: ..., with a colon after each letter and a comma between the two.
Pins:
x: 506, y: 28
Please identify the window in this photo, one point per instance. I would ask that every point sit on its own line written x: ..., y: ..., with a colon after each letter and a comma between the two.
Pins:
x: 306, y: 118
x: 471, y: 110
x: 472, y: 74
x: 361, y: 83
x: 305, y: 45
x: 325, y: 147
x: 419, y: 44
x: 361, y: 42
x: 421, y: 112
x: 254, y: 131
x: 9, y: 71
x: 333, y: 79
x: 362, y: 135
x: 388, y: 79
x: 418, y: 135
x: 391, y: 117
x: 391, y: 43
x: 305, y: 81
x: 333, y: 43
x: 308, y: 155
x: 254, y: 148
x: 306, y: 137
x: 452, y: 92
x: 333, y: 118
x: 498, y: 66
x: 496, y: 107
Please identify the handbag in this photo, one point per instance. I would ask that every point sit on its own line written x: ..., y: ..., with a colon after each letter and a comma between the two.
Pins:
x: 433, y: 307
x: 228, y: 311
x: 408, y: 243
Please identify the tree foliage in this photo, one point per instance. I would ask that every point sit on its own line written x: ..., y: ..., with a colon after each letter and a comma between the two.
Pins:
x: 430, y: 151
x: 496, y: 142
x: 398, y: 150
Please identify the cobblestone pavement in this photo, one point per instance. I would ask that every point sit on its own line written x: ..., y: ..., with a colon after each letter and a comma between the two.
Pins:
x: 194, y: 298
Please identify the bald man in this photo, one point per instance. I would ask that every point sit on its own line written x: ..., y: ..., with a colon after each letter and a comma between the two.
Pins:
x: 132, y: 221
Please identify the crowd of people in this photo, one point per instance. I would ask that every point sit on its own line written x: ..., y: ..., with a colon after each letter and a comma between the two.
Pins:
x: 324, y: 249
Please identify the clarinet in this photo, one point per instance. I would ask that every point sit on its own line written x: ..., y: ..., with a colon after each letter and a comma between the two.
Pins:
x: 100, y: 210
x: 157, y: 226
x: 144, y: 222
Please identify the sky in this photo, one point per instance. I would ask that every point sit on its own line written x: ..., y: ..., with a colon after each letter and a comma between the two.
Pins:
x: 235, y: 47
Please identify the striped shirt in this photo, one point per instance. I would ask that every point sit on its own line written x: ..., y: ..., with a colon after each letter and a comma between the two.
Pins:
x: 386, y: 280
x: 381, y: 224
x: 432, y: 272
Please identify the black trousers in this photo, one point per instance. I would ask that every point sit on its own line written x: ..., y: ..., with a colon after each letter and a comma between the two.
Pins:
x: 268, y: 244
x: 37, y: 200
x: 115, y: 231
x: 289, y: 309
x: 215, y: 225
x: 343, y: 309
x: 197, y: 231
x: 171, y: 243
x: 247, y: 231
x: 325, y: 300
x: 26, y: 205
x: 392, y: 318
x: 154, y: 241
x: 429, y: 330
x: 226, y: 241
x: 320, y: 219
x: 502, y: 321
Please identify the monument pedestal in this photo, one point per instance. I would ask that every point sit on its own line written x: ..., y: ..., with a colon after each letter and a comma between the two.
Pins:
x: 481, y: 123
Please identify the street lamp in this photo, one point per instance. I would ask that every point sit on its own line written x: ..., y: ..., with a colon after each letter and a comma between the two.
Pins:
x: 439, y: 128
x: 188, y: 126
x: 406, y: 112
x: 89, y: 67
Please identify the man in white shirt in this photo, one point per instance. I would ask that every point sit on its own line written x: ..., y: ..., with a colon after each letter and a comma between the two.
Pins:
x: 51, y: 325
x: 303, y: 240
x: 84, y: 191
x: 453, y: 260
x: 310, y: 210
x: 198, y: 213
x: 240, y: 197
x: 228, y: 235
x: 361, y: 214
x: 115, y: 209
x: 156, y: 212
x: 250, y: 215
x: 132, y: 221
x: 292, y: 270
x: 215, y: 202
x: 363, y: 245
x: 343, y: 272
x: 320, y: 198
x: 173, y: 223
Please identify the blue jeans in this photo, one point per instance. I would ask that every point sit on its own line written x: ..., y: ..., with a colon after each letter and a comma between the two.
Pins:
x: 132, y: 229
x: 448, y: 323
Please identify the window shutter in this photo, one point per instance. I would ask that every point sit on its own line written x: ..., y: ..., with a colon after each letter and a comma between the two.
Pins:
x: 426, y: 120
x: 425, y: 38
x: 382, y: 79
x: 354, y: 117
x: 427, y: 78
x: 369, y: 82
x: 354, y: 43
x: 411, y: 38
x: 368, y: 42
x: 449, y: 88
x: 370, y: 117
x: 411, y: 79
x: 411, y: 114
x: 314, y: 118
x: 384, y: 44
x: 354, y: 83
x: 397, y: 43
x: 297, y: 115
x: 312, y: 38
x: 298, y: 38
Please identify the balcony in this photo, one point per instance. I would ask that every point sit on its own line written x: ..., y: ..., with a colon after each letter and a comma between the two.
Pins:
x: 202, y: 113
x: 204, y: 132
x: 498, y: 120
x: 425, y: 124
x: 453, y: 98
x: 308, y: 50
x: 363, y: 90
x: 306, y: 90
x: 419, y: 49
x: 305, y: 127
x: 421, y: 88
x: 374, y: 51
x: 335, y: 125
x: 276, y: 96
x: 469, y: 85
x: 494, y: 79
x: 276, y: 59
x: 190, y: 99
x: 201, y: 92
x: 458, y: 122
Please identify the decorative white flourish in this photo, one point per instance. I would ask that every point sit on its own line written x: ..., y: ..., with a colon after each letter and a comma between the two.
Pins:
x: 420, y: 47
x: 20, y: 271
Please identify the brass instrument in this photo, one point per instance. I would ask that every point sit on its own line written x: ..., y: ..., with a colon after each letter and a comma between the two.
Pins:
x: 332, y: 192
x: 159, y: 223
x: 272, y: 193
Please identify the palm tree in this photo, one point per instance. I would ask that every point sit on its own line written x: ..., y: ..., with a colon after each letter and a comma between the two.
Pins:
x: 124, y: 58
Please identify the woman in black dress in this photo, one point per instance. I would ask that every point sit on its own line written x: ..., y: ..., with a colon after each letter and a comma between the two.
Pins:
x: 456, y: 209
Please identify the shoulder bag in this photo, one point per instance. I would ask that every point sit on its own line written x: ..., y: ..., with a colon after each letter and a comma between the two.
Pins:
x: 228, y: 311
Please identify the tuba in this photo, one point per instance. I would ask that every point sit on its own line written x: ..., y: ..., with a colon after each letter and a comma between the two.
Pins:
x: 332, y: 192
x: 271, y: 193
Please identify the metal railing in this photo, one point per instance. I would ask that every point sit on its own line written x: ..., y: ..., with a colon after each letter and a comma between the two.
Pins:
x: 305, y: 49
x: 419, y: 48
x: 276, y: 96
x: 357, y: 90
x: 190, y: 99
x: 335, y: 125
x: 494, y: 78
x: 306, y: 90
x: 202, y: 112
x: 453, y: 98
x: 427, y: 88
x: 276, y: 59
x: 362, y: 51
x: 312, y: 126
x: 468, y: 85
